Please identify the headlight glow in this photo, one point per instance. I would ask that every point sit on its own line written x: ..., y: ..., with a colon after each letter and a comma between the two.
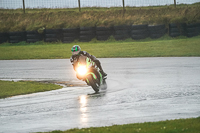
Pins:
x: 82, y: 70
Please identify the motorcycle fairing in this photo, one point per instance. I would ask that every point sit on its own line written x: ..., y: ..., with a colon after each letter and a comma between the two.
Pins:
x: 94, y: 76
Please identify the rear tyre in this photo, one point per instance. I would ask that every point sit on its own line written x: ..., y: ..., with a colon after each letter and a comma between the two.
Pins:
x: 92, y: 82
x: 104, y: 85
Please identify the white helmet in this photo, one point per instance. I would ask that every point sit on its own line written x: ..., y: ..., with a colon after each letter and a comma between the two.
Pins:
x: 76, y: 50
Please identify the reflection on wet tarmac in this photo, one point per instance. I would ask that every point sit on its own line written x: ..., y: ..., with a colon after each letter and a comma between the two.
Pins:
x: 83, y: 109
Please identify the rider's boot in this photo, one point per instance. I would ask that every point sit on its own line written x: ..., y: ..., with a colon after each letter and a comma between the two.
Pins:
x: 101, y: 70
x: 103, y: 73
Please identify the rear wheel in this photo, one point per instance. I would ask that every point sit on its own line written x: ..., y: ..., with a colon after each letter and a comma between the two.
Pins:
x: 92, y: 82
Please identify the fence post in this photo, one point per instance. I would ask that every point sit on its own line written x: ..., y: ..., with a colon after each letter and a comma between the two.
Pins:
x: 123, y: 7
x: 175, y: 3
x: 23, y: 6
x: 123, y: 4
x: 79, y: 5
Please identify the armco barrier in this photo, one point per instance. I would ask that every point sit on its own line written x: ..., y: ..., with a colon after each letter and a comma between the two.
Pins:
x: 86, y: 34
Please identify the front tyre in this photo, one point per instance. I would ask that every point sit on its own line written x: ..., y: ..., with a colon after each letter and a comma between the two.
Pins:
x: 92, y: 82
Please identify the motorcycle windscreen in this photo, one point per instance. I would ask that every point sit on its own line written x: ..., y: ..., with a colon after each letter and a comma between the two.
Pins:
x: 82, y: 60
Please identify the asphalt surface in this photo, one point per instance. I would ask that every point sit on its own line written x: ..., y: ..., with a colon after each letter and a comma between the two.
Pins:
x: 139, y: 90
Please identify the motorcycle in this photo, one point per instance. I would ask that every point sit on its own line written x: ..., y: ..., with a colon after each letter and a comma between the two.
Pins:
x: 87, y: 71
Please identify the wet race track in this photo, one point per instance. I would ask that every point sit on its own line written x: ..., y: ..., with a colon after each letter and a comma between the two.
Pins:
x: 139, y: 90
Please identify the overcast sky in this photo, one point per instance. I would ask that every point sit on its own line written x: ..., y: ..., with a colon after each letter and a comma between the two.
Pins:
x: 13, y: 4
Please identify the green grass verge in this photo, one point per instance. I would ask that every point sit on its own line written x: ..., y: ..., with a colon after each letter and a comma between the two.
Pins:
x: 11, y: 88
x: 191, y: 125
x: 163, y: 47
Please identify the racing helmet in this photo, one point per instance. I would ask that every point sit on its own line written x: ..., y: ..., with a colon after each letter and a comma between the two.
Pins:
x: 76, y: 50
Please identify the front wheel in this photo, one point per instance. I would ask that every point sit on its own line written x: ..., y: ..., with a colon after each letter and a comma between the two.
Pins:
x: 92, y: 82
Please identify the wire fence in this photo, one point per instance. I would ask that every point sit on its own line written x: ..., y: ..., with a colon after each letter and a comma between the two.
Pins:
x: 16, y: 4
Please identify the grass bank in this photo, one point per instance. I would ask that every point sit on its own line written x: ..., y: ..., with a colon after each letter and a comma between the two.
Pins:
x: 191, y: 125
x: 11, y: 88
x: 39, y: 19
x: 163, y: 47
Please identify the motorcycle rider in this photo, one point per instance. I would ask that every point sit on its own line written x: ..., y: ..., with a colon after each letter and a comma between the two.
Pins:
x: 76, y: 53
